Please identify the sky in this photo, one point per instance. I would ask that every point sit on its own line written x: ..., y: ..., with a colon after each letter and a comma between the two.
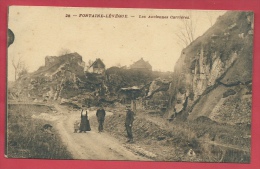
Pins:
x: 46, y: 31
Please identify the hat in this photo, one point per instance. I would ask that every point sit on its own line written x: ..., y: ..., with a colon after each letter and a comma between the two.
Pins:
x: 128, y: 107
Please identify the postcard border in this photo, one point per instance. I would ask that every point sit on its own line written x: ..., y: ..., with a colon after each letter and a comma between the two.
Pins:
x: 253, y: 5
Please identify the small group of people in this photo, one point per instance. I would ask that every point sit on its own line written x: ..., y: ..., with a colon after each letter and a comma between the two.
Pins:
x: 84, y: 124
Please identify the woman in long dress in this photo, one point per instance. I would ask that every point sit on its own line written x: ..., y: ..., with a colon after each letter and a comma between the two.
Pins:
x: 84, y: 123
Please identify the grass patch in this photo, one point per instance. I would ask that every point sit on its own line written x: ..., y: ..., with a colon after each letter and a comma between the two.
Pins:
x: 174, y: 141
x: 25, y: 137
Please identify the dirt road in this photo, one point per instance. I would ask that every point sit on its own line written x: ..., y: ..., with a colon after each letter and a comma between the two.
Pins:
x: 91, y: 145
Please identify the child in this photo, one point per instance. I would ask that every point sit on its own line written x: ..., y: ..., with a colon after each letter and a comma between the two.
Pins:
x: 76, y: 126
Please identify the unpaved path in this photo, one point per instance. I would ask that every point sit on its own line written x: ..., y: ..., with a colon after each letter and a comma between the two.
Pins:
x: 91, y: 145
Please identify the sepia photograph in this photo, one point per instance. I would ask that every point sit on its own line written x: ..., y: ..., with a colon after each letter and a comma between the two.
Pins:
x: 129, y: 84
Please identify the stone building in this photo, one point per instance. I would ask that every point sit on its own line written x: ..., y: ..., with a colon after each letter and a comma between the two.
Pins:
x: 141, y: 65
x: 97, y: 67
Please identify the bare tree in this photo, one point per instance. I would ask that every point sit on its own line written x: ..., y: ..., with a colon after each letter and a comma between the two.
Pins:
x: 19, y: 67
x: 90, y: 62
x: 187, y: 29
x: 210, y: 16
x: 23, y: 71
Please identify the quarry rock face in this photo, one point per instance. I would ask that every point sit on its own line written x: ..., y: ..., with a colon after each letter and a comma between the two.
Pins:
x: 157, y: 85
x: 214, y: 63
x: 60, y: 78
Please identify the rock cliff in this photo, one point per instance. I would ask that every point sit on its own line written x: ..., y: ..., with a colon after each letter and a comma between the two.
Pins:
x: 60, y: 78
x: 213, y: 76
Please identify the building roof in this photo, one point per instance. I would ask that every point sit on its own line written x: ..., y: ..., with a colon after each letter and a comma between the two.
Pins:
x: 141, y: 64
x: 98, y: 64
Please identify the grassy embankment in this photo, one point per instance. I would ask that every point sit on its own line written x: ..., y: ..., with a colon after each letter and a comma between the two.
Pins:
x: 211, y: 142
x: 25, y: 137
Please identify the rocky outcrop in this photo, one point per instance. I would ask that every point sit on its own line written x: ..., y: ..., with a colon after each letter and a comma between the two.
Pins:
x: 62, y: 77
x: 157, y: 85
x: 73, y: 57
x: 210, y: 66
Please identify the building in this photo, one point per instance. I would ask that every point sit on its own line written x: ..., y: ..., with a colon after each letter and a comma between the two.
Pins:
x: 129, y: 95
x: 97, y: 67
x: 141, y: 65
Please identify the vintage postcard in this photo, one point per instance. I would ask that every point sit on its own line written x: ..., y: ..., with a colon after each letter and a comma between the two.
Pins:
x: 129, y: 84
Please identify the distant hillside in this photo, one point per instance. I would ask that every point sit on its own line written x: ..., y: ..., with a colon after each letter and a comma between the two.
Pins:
x: 213, y: 75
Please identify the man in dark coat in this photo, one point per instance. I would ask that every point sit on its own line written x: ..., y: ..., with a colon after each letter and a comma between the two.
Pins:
x: 101, y: 113
x: 129, y: 123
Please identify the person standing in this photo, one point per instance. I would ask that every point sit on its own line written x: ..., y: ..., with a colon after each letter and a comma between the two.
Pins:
x: 101, y: 113
x: 129, y: 123
x: 84, y: 123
